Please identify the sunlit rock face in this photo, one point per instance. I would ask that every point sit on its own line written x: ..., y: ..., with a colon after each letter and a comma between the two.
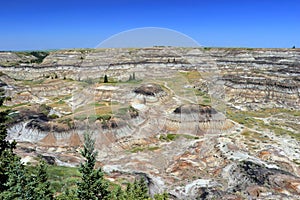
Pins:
x: 250, y: 76
x: 197, y: 122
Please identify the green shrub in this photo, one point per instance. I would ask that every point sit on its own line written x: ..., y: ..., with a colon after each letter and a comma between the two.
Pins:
x: 53, y: 116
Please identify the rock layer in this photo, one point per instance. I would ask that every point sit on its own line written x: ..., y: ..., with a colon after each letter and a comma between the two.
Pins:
x: 213, y: 123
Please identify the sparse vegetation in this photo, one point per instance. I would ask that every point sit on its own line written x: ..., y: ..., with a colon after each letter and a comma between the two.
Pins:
x: 143, y: 148
x: 191, y: 76
x: 171, y: 137
x: 44, y: 109
x: 127, y: 110
x: 267, y: 134
x: 53, y: 116
x: 40, y: 55
x: 253, y: 119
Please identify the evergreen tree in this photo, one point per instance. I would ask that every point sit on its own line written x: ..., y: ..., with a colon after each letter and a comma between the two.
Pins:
x: 38, y: 184
x: 93, y: 185
x: 23, y: 185
x: 129, y: 192
x: 118, y: 194
x: 143, y: 189
x: 137, y: 191
x: 6, y: 147
x: 16, y: 181
x: 163, y: 196
x: 105, y: 79
x: 68, y: 194
x: 133, y: 76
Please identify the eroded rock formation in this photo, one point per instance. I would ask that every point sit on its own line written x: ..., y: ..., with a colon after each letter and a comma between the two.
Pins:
x: 198, y: 123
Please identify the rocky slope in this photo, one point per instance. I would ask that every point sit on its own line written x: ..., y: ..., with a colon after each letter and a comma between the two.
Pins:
x: 198, y: 123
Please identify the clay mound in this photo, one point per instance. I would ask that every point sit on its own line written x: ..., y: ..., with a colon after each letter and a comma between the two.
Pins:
x: 113, y: 123
x: 196, y: 113
x: 149, y: 89
x: 49, y: 140
x: 195, y: 108
x: 75, y: 140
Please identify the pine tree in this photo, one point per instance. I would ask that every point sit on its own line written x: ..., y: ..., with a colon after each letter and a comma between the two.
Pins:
x: 16, y: 182
x: 22, y: 184
x: 105, y: 79
x: 118, y: 194
x: 163, y: 196
x: 133, y: 76
x: 6, y: 147
x: 39, y: 184
x: 93, y: 185
x: 68, y: 194
x: 143, y: 189
x: 129, y: 192
x: 137, y: 190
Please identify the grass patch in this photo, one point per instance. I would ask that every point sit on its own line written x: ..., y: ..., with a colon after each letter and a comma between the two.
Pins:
x: 191, y: 76
x: 67, y: 121
x: 279, y: 131
x: 80, y: 117
x: 248, y: 119
x: 110, y: 80
x: 93, y: 118
x: 61, y: 177
x: 53, y: 116
x: 103, y: 117
x: 153, y: 148
x: 296, y: 161
x: 13, y: 106
x: 268, y: 112
x: 35, y: 82
x: 243, y: 118
x: 61, y: 102
x: 90, y: 81
x: 137, y: 149
x: 133, y: 82
x: 107, y: 110
x: 126, y: 110
x: 191, y: 137
x: 171, y: 137
x: 98, y: 104
x: 141, y: 148
x: 99, y: 107
x: 206, y: 101
x: 199, y: 93
x: 250, y: 135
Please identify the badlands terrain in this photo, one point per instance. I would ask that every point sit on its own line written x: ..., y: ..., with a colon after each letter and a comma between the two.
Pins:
x: 199, y: 123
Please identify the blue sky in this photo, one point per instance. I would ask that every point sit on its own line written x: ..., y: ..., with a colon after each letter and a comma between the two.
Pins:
x: 56, y: 24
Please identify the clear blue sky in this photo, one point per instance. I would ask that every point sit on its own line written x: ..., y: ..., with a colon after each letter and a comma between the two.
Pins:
x: 56, y: 24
